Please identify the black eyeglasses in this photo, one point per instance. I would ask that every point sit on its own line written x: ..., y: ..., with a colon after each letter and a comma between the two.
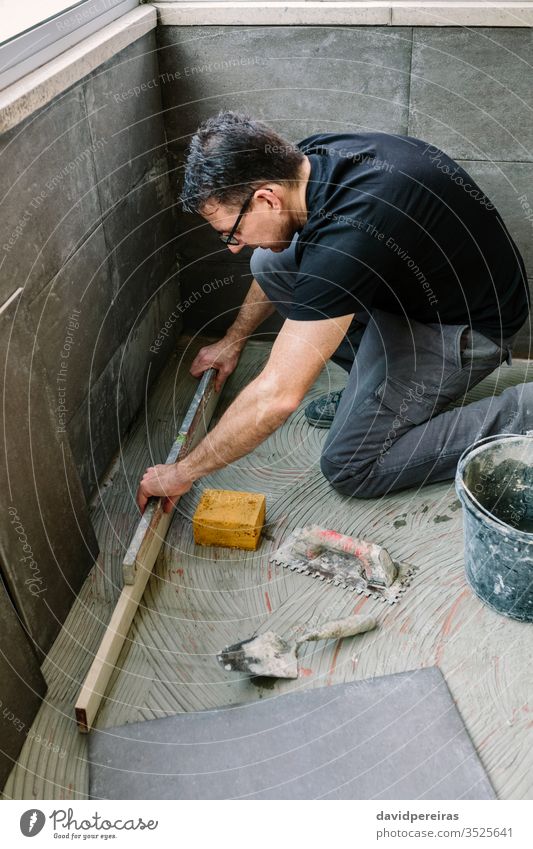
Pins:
x: 230, y: 238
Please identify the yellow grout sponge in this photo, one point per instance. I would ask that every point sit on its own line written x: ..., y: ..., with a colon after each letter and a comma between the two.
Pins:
x: 231, y: 519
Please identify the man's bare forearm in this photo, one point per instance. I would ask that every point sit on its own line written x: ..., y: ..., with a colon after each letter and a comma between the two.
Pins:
x: 249, y: 420
x: 255, y: 414
x: 255, y: 309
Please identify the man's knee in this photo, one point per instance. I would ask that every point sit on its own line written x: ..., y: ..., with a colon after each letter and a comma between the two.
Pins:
x: 353, y: 480
x: 344, y: 478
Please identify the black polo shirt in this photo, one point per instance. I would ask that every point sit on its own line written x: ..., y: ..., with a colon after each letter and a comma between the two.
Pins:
x: 393, y: 223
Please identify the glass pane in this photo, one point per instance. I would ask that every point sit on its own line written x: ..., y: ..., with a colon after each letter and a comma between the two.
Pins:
x: 16, y: 16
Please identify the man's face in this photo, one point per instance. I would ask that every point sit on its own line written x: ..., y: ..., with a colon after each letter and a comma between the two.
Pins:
x: 265, y: 224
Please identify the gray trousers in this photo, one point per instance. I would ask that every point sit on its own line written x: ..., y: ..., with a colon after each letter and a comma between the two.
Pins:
x: 392, y: 428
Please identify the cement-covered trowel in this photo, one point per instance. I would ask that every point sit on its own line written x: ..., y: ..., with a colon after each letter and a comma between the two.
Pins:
x: 271, y: 656
x: 349, y: 562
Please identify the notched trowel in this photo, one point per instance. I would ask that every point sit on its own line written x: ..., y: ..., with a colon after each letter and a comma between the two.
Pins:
x: 345, y: 561
x: 271, y: 656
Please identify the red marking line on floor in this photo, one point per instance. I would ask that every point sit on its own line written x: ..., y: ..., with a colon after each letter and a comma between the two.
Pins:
x: 446, y: 628
x: 361, y: 603
x: 269, y: 606
x: 333, y: 662
x: 447, y: 625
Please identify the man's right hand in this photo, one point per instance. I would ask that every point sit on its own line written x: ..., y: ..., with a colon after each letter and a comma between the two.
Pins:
x: 222, y: 356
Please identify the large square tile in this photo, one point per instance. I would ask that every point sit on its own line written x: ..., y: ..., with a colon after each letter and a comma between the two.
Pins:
x: 75, y: 325
x: 472, y: 91
x: 124, y: 107
x: 141, y: 238
x: 300, y: 80
x: 509, y: 185
x: 49, y: 198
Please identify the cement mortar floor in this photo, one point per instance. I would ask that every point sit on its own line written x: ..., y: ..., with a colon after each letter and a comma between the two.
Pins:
x: 200, y: 599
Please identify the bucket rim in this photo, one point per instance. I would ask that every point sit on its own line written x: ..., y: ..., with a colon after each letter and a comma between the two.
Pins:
x: 460, y: 486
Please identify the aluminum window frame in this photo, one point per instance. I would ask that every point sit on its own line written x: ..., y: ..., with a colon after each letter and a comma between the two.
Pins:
x: 24, y: 53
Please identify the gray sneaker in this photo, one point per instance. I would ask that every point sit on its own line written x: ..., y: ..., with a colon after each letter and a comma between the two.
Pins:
x: 320, y: 413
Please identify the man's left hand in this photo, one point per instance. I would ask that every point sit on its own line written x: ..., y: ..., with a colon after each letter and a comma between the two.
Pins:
x: 167, y: 481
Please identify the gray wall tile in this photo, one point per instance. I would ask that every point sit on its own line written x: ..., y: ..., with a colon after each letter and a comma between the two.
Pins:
x: 97, y: 158
x: 124, y: 107
x: 298, y: 79
x: 115, y: 398
x: 472, y: 93
x: 140, y: 235
x: 47, y: 185
x: 169, y: 295
x: 211, y: 295
x: 96, y: 427
x: 168, y: 300
x: 92, y: 203
x: 22, y: 686
x: 218, y: 67
x: 47, y: 545
x: 506, y: 183
x: 143, y: 357
x: 83, y: 284
x: 196, y: 239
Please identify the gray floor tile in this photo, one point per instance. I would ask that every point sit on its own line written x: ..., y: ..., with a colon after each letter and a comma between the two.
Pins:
x: 394, y: 737
x: 198, y: 601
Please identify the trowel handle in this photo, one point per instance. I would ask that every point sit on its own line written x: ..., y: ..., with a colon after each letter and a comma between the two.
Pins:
x: 378, y: 566
x: 338, y: 628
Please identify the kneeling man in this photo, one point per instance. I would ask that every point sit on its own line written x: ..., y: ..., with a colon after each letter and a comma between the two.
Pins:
x: 382, y: 254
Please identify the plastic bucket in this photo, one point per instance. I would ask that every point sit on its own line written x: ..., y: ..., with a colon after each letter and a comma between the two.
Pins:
x: 494, y: 481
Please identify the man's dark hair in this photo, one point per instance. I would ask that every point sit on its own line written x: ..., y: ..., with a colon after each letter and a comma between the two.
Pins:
x: 229, y: 155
